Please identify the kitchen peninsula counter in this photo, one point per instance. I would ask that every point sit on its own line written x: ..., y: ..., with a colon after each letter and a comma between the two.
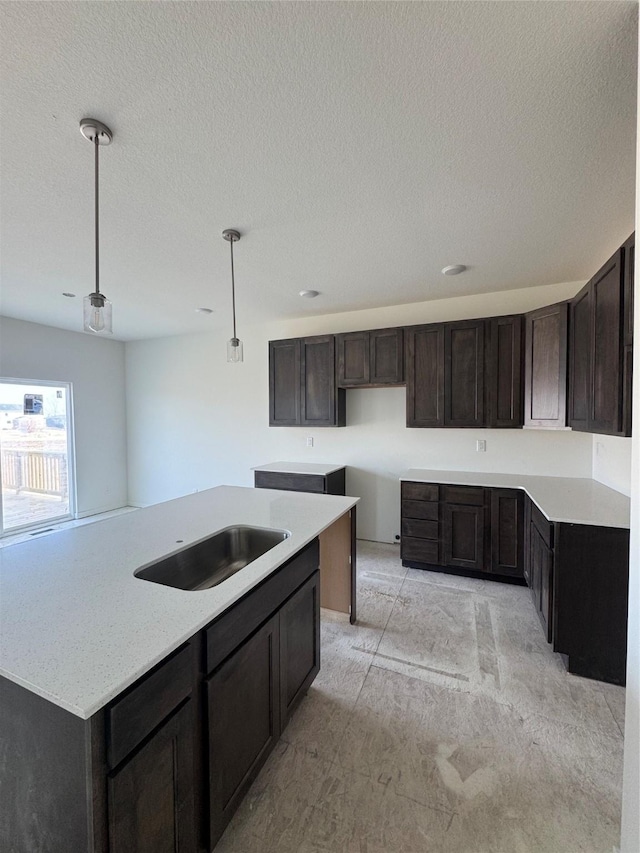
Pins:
x: 568, y: 500
x: 76, y: 626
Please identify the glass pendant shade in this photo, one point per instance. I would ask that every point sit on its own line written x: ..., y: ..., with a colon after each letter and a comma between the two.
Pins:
x: 234, y: 350
x: 97, y: 314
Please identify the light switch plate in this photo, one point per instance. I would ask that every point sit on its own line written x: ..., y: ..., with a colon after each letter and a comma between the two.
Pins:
x: 481, y: 445
x: 309, y: 441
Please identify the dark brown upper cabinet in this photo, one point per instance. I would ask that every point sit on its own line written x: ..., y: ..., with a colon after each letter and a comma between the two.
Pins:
x: 425, y: 375
x: 545, y: 367
x: 599, y: 327
x: 284, y: 382
x: 464, y: 373
x: 370, y: 358
x: 503, y: 372
x: 302, y: 383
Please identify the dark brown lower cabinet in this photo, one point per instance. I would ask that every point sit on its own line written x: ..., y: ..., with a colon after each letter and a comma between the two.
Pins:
x: 540, y: 571
x: 463, y: 529
x: 463, y: 536
x: 299, y: 646
x: 137, y: 776
x: 243, y: 708
x: 152, y: 797
x: 507, y: 532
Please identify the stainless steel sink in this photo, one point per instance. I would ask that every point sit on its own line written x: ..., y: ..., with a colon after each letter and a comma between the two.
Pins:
x: 213, y: 560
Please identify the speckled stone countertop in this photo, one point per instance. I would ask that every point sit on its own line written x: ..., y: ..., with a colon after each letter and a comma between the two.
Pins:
x: 572, y: 500
x: 77, y: 627
x: 299, y: 468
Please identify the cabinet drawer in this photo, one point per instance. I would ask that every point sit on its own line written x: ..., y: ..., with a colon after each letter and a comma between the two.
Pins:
x: 421, y: 550
x: 420, y: 509
x: 420, y: 491
x: 293, y: 482
x: 241, y: 620
x: 420, y: 529
x: 469, y: 495
x: 145, y: 705
x: 543, y: 525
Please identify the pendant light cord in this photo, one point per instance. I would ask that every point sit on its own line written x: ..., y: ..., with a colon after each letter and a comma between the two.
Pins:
x: 233, y: 291
x: 97, y: 146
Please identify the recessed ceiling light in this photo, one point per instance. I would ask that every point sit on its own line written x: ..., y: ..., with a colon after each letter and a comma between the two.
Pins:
x: 70, y: 295
x: 310, y: 294
x: 454, y: 269
x: 204, y: 310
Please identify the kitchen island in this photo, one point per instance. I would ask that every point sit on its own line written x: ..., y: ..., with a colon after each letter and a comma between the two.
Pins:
x: 131, y: 710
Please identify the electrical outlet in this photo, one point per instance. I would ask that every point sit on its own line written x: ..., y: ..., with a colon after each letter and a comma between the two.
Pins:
x: 481, y: 445
x: 309, y: 441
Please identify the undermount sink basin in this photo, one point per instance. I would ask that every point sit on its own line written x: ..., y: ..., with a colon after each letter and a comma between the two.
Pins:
x: 213, y: 560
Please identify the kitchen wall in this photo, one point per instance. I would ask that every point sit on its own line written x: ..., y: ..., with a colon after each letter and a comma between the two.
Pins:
x: 95, y: 367
x: 195, y: 421
x: 612, y: 462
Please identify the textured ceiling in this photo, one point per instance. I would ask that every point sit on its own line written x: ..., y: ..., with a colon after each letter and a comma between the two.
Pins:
x: 359, y: 147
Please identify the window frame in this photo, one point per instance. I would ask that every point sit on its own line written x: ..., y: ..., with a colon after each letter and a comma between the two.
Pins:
x: 71, y: 459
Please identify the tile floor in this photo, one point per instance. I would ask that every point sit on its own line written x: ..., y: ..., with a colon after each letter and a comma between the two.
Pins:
x: 442, y: 721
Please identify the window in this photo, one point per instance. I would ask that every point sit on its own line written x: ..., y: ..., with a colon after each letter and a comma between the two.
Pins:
x: 36, y: 454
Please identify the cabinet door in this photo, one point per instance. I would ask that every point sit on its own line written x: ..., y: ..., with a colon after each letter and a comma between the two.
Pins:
x: 244, y: 722
x: 425, y: 375
x: 353, y: 359
x: 299, y: 645
x: 284, y: 382
x: 322, y: 403
x: 386, y: 357
x: 507, y: 532
x: 536, y: 546
x: 606, y: 303
x: 546, y: 590
x: 580, y: 344
x: 464, y: 373
x: 463, y: 530
x: 629, y: 249
x: 545, y: 367
x: 151, y: 798
x: 503, y: 374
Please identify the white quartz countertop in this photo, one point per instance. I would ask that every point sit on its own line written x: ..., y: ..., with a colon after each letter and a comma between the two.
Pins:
x: 77, y: 627
x: 319, y: 468
x: 572, y: 500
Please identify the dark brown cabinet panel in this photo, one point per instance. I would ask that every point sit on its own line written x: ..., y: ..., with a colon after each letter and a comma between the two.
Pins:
x: 507, y: 532
x: 244, y: 722
x: 284, y: 382
x: 425, y: 375
x: 599, y: 328
x: 540, y: 559
x: 353, y: 359
x: 545, y: 366
x: 302, y: 383
x: 322, y: 403
x: 606, y: 304
x: 464, y: 373
x: 504, y: 372
x: 299, y: 645
x: 463, y: 532
x: 386, y: 357
x: 370, y: 358
x: 629, y: 249
x: 330, y: 484
x: 151, y: 798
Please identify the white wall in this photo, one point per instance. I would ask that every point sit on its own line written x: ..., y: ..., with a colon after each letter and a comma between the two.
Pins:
x: 612, y: 462
x: 195, y: 421
x: 96, y: 369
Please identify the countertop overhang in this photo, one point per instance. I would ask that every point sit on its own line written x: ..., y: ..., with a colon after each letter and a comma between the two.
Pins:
x: 76, y: 626
x: 568, y: 500
x: 320, y: 469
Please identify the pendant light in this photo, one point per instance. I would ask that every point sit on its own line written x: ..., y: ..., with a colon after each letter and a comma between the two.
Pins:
x: 234, y: 345
x: 97, y: 308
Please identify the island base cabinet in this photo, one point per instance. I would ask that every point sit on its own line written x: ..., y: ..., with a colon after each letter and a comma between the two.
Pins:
x: 151, y: 798
x: 243, y: 704
x: 299, y: 646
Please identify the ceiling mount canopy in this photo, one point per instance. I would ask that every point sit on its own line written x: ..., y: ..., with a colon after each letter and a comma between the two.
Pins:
x: 234, y: 344
x: 97, y: 308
